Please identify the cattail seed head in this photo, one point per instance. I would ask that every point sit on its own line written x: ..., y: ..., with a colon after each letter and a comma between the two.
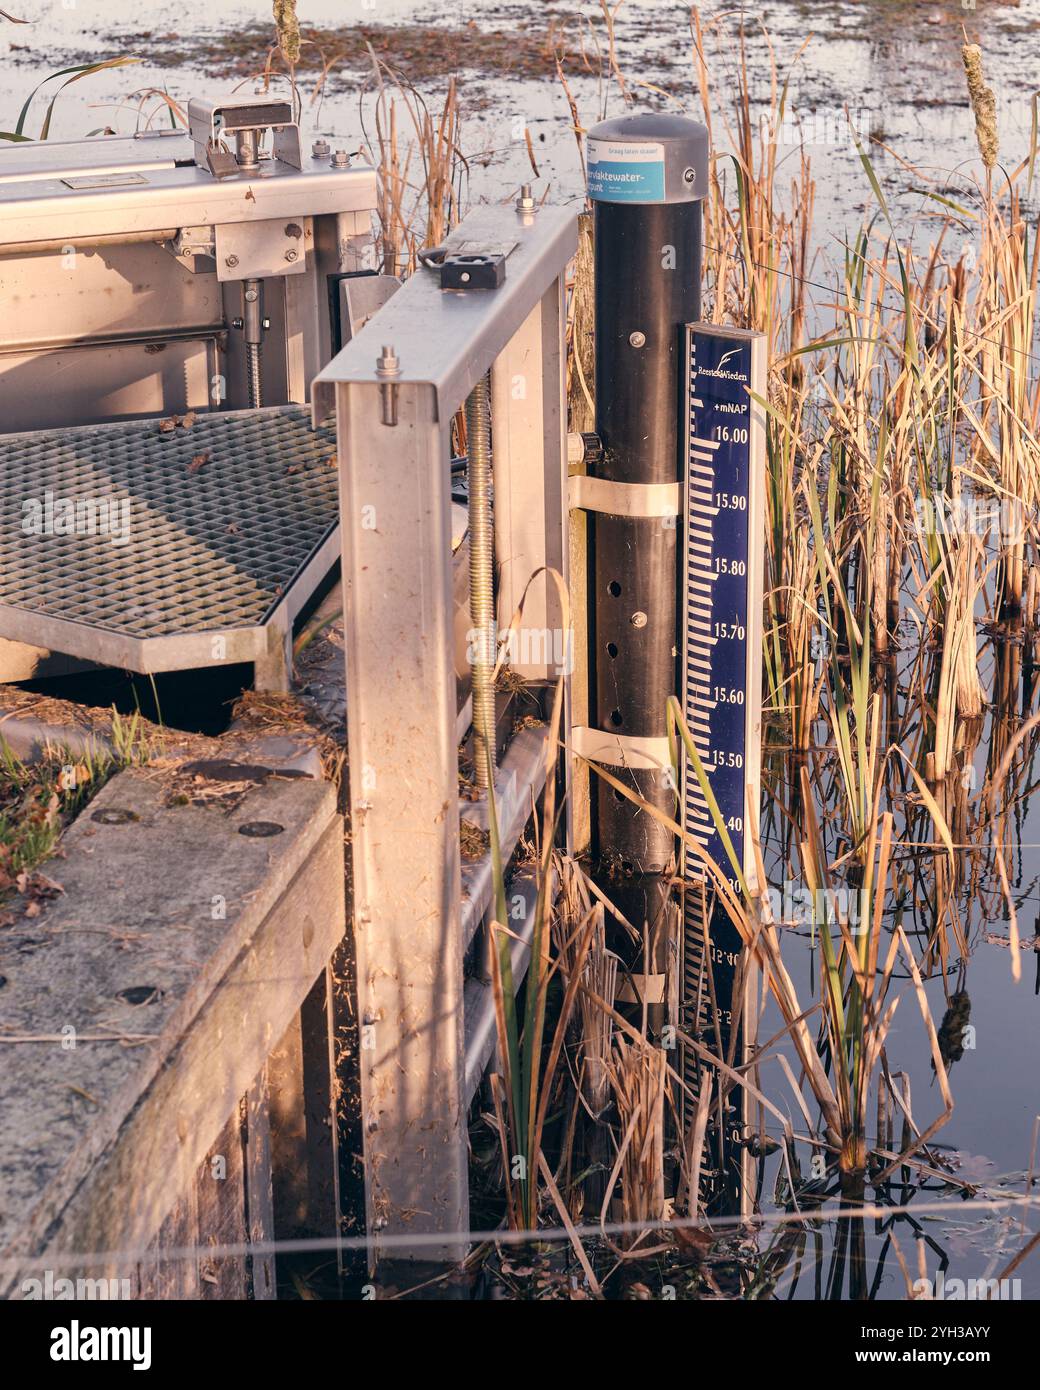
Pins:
x: 288, y: 27
x: 983, y: 103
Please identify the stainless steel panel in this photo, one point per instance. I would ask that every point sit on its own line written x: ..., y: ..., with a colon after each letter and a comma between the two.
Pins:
x: 254, y: 250
x: 45, y: 209
x: 54, y: 298
x: 101, y: 385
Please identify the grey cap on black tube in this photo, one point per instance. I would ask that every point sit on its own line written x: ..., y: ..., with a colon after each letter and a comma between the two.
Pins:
x: 650, y: 158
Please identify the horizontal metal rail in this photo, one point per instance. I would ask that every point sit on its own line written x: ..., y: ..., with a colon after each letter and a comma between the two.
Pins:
x: 518, y: 785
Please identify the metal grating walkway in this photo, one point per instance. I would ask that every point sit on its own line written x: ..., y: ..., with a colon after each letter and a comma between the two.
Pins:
x: 197, y: 530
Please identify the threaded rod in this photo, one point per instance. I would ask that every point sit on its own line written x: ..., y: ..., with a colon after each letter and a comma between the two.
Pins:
x: 252, y: 322
x: 481, y: 579
x: 253, y: 375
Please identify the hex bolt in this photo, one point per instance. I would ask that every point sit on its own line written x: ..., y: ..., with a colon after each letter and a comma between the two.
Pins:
x: 638, y: 619
x: 231, y: 261
x: 340, y: 160
x: 291, y: 255
x: 525, y: 203
x: 321, y: 148
x: 388, y: 365
x: 637, y: 339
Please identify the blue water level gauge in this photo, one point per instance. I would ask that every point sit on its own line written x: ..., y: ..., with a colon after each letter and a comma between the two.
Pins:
x: 724, y: 536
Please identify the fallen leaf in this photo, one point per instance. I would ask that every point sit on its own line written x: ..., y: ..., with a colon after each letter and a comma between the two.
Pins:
x: 693, y: 1240
x: 199, y: 461
x: 45, y: 887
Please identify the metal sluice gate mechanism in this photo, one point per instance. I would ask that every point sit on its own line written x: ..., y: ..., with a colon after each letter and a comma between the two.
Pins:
x: 168, y: 299
x: 191, y: 340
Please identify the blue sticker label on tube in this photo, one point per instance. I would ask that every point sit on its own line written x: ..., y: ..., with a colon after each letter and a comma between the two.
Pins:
x: 626, y: 172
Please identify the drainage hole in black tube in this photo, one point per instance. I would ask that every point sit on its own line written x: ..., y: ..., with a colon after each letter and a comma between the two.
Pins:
x: 612, y: 650
x: 614, y: 589
x: 616, y: 718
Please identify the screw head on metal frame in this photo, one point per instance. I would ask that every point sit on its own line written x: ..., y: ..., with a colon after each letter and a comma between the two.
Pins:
x: 321, y: 148
x: 340, y: 160
x: 525, y: 203
x: 637, y: 339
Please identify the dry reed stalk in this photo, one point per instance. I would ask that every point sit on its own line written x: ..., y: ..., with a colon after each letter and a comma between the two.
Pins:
x: 415, y: 213
x: 599, y: 977
x: 919, y: 390
x: 637, y: 1075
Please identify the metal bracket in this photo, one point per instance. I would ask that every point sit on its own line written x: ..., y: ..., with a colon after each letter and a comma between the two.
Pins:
x: 481, y: 271
x: 449, y: 341
x: 623, y: 499
x: 194, y: 249
x: 620, y: 750
x: 210, y: 123
x: 361, y: 296
x: 256, y: 250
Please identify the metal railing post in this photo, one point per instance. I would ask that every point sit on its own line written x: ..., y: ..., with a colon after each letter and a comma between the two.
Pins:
x: 396, y: 387
x: 395, y: 504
